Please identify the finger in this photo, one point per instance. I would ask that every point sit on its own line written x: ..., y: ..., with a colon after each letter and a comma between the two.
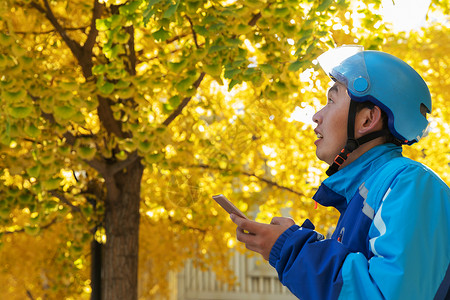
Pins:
x: 282, y: 221
x: 236, y: 219
x: 244, y: 236
x: 239, y: 221
x: 251, y: 226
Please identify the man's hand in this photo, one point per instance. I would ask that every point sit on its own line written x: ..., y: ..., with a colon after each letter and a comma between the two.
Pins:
x: 260, y: 237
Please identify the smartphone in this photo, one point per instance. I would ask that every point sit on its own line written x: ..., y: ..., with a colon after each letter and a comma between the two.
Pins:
x: 228, y: 206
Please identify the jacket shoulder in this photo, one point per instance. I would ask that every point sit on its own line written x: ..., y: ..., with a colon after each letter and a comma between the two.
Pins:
x: 401, y: 170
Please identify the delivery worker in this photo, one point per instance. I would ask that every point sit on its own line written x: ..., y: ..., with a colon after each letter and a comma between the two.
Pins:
x: 392, y: 240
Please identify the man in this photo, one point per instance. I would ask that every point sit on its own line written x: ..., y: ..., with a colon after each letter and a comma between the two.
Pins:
x: 392, y: 240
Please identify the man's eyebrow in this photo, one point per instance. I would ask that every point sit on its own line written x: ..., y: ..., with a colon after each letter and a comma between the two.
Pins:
x: 333, y: 89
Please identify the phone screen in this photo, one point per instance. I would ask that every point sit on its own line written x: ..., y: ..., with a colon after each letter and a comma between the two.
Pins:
x: 228, y: 206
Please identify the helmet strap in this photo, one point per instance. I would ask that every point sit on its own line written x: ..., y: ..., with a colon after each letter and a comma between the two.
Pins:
x: 352, y: 143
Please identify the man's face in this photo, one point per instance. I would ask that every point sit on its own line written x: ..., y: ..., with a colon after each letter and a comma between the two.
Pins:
x: 331, y: 122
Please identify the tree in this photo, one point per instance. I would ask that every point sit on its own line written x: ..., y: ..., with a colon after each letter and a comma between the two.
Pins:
x: 120, y: 119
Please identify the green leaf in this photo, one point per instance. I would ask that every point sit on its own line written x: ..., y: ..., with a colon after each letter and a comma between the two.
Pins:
x: 213, y: 69
x: 32, y: 230
x: 175, y: 101
x: 201, y: 30
x: 130, y: 8
x: 102, y: 24
x: 113, y: 52
x: 267, y: 68
x: 14, y: 96
x: 116, y: 21
x: 148, y: 13
x: 5, y: 40
x: 233, y: 83
x: 32, y: 131
x: 324, y: 5
x: 34, y: 171
x: 86, y: 152
x: 51, y: 184
x: 65, y: 112
x: 171, y: 10
x: 69, y: 86
x: 107, y: 88
x: 295, y: 66
x: 167, y: 108
x: 99, y: 69
x: 243, y: 28
x: 153, y: 158
x: 281, y: 12
x: 193, y: 6
x: 20, y: 112
x: 230, y: 73
x: 64, y: 150
x: 217, y: 48
x: 144, y: 146
x: 121, y: 84
x: 233, y: 42
x: 185, y: 84
x: 161, y: 35
x: 176, y: 67
x: 249, y: 71
x: 217, y: 27
x: 122, y: 37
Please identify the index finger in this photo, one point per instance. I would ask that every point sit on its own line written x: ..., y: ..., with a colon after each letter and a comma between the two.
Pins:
x: 246, y: 224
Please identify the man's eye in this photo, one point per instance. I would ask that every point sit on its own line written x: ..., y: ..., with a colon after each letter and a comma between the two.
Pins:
x: 330, y: 100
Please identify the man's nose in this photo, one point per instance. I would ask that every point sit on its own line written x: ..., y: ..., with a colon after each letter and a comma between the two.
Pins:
x: 317, y: 117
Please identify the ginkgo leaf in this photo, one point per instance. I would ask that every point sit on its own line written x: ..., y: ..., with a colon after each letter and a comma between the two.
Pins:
x: 65, y: 112
x: 51, y: 184
x: 86, y: 152
x: 16, y: 96
x: 20, y: 112
x: 32, y: 230
x: 32, y: 130
x: 161, y: 35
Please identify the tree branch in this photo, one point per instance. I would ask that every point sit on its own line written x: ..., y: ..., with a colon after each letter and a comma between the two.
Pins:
x: 64, y: 200
x: 23, y: 229
x: 29, y: 294
x: 109, y: 170
x: 193, y: 31
x: 119, y: 166
x: 183, y: 103
x: 176, y: 38
x: 132, y: 55
x: 255, y: 19
x: 186, y: 100
x: 51, y: 30
x: 93, y: 32
x: 265, y: 180
x: 105, y: 115
x: 73, y: 46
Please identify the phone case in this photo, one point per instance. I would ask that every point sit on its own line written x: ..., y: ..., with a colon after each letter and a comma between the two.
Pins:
x: 228, y: 206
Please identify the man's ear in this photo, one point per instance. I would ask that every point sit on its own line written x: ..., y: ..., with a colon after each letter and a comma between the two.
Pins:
x: 368, y: 120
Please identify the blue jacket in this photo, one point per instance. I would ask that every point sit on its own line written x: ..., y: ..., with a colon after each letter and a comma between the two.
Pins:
x: 392, y: 240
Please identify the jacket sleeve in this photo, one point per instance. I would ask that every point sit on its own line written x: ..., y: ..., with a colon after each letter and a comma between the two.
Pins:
x: 409, y: 237
x: 307, y: 264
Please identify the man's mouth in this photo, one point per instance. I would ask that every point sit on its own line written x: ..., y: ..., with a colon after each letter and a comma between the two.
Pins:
x: 319, y: 135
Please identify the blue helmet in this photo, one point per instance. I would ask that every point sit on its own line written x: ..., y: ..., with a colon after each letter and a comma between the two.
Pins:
x: 386, y: 81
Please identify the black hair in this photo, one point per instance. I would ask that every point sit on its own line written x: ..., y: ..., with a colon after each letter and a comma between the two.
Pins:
x: 390, y: 138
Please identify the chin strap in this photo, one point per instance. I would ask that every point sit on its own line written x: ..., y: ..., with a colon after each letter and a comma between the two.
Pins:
x: 352, y: 143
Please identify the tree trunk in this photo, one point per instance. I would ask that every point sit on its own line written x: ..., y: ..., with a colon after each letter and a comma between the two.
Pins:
x: 120, y: 252
x: 96, y: 270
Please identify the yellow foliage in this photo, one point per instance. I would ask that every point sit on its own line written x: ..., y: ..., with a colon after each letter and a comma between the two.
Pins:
x: 209, y: 96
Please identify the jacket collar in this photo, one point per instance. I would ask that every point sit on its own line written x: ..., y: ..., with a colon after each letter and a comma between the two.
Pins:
x: 339, y: 188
